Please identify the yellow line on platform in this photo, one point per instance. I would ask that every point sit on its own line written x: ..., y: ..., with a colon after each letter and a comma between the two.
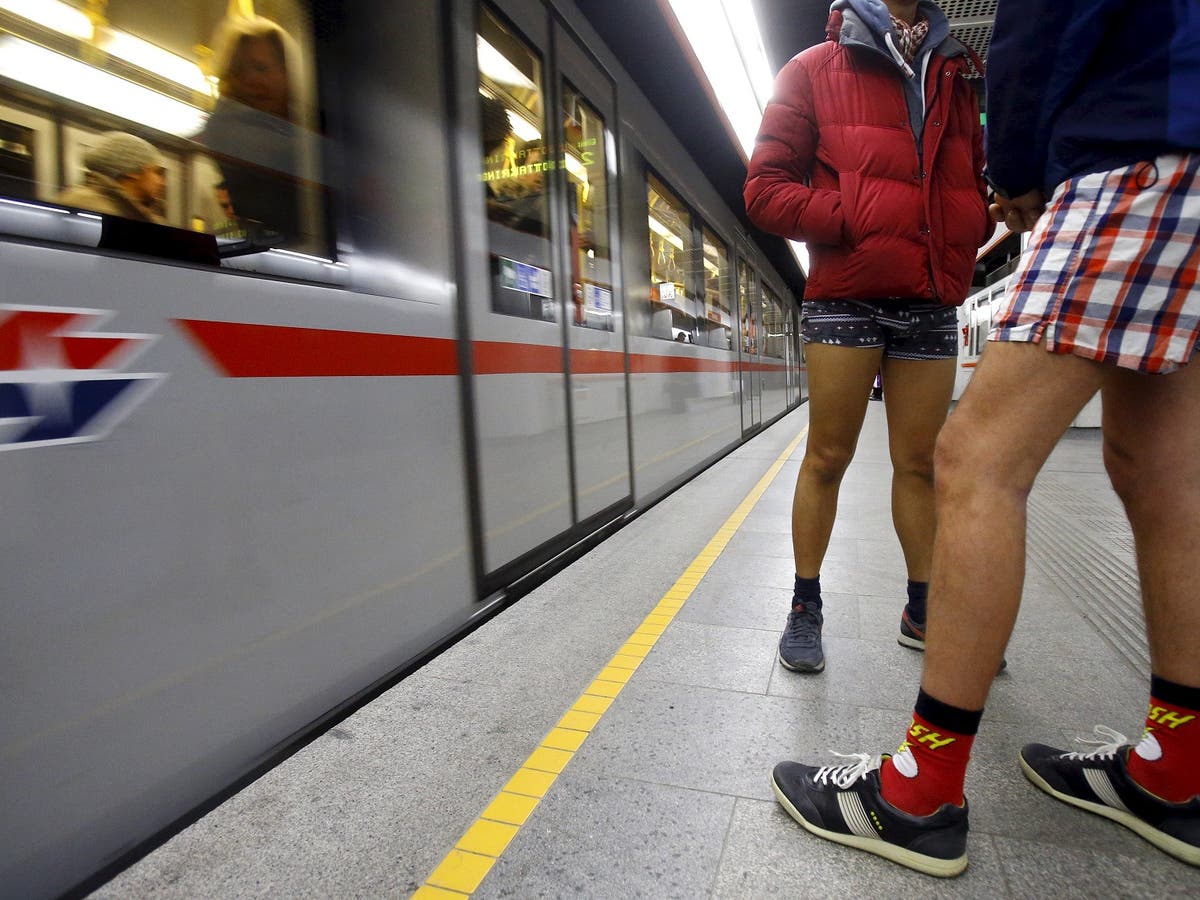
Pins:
x: 465, y: 867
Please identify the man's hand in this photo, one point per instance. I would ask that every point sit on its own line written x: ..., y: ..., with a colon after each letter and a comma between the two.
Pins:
x: 1019, y: 213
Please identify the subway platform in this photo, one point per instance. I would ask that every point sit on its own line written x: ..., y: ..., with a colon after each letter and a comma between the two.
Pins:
x: 611, y: 734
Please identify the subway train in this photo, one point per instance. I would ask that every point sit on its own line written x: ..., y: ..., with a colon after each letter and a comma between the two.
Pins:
x: 326, y: 330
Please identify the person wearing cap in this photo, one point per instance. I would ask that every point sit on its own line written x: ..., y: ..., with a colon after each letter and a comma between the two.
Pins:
x: 125, y: 176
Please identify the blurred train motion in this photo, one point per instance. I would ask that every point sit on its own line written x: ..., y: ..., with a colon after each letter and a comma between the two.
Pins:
x: 325, y: 327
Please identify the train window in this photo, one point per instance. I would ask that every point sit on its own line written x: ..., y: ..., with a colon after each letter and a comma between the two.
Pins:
x: 716, y: 326
x: 584, y: 158
x: 194, y: 114
x: 515, y: 172
x: 674, y: 308
x: 746, y: 308
x: 775, y: 328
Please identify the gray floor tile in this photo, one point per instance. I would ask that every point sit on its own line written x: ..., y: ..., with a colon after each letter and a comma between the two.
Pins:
x: 769, y: 855
x: 1034, y: 870
x: 728, y: 603
x: 716, y: 656
x: 857, y: 673
x: 705, y: 739
x: 604, y: 837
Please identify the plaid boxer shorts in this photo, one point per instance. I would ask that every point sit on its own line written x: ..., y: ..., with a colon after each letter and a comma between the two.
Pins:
x: 1112, y: 270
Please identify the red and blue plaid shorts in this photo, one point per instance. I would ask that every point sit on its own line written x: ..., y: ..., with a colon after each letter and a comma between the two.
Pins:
x: 1112, y: 270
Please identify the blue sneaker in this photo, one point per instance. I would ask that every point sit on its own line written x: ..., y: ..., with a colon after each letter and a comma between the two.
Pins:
x: 800, y: 646
x: 1099, y: 782
x: 845, y: 804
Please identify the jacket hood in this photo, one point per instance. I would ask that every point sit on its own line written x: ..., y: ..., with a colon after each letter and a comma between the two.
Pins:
x: 868, y: 22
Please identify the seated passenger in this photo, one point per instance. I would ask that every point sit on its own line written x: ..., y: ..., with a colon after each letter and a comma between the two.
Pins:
x: 252, y: 130
x: 125, y: 176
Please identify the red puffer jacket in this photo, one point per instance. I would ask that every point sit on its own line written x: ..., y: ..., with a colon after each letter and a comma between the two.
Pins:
x: 836, y: 165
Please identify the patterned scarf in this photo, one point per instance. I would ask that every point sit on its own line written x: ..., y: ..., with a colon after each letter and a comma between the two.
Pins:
x: 910, y: 36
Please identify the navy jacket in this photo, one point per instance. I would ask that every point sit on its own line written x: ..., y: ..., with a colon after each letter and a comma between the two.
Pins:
x: 1081, y: 86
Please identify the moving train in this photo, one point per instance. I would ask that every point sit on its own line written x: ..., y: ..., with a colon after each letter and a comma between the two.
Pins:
x: 326, y: 329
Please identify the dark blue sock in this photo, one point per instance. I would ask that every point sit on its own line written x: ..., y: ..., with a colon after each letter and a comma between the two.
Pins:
x: 807, y: 592
x: 918, y: 593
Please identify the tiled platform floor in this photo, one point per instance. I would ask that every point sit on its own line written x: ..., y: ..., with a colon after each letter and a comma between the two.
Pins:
x: 669, y: 795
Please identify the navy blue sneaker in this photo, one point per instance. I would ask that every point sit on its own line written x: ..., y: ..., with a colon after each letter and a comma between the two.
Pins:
x: 1099, y: 782
x: 844, y: 804
x: 800, y: 646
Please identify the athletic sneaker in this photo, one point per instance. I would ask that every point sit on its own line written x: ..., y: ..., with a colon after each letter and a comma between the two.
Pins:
x: 1099, y: 782
x: 912, y: 634
x: 800, y: 646
x: 844, y: 804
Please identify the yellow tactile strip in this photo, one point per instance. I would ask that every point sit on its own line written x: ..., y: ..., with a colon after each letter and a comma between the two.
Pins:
x: 464, y: 867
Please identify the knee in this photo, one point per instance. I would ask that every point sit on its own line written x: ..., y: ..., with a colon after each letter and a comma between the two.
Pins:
x: 827, y: 463
x: 914, y: 465
x: 1122, y: 467
x: 960, y: 460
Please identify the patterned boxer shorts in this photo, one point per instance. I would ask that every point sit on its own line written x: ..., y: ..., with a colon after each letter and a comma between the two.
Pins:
x: 1112, y: 267
x: 916, y: 330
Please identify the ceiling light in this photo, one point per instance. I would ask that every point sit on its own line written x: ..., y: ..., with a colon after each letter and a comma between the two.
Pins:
x: 52, y: 14
x: 495, y: 65
x: 657, y: 226
x: 522, y: 127
x: 155, y: 59
x: 57, y: 74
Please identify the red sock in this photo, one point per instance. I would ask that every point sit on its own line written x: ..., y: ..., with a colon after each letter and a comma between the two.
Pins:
x: 929, y: 768
x: 1167, y: 761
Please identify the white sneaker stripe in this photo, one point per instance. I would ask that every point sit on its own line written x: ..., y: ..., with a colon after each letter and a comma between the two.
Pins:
x: 854, y: 815
x: 1102, y: 786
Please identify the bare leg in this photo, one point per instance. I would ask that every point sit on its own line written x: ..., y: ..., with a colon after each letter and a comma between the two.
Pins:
x: 1152, y: 453
x: 917, y: 400
x: 839, y: 383
x: 1018, y: 405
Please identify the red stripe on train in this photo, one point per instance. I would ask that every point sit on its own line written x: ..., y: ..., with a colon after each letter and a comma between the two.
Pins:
x: 243, y: 350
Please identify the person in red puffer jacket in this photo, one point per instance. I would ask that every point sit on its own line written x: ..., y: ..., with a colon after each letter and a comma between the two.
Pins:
x: 871, y: 152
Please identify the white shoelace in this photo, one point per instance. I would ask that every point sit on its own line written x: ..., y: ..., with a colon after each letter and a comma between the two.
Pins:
x: 845, y: 774
x: 1110, y: 742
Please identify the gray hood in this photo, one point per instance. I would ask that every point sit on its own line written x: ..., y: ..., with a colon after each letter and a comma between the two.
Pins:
x: 868, y: 23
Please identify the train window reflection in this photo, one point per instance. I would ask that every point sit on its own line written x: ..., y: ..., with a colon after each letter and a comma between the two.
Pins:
x: 586, y: 164
x: 197, y: 114
x: 515, y: 172
x: 746, y: 308
x: 716, y: 325
x: 674, y: 309
x: 775, y: 325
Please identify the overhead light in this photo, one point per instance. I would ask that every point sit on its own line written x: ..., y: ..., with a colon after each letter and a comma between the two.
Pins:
x: 800, y: 251
x: 52, y: 14
x: 495, y: 65
x: 57, y: 74
x: 657, y: 226
x: 575, y: 167
x: 155, y: 59
x: 731, y: 66
x: 522, y: 127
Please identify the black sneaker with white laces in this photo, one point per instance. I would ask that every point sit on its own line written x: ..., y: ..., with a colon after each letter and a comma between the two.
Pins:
x: 845, y: 804
x: 800, y: 646
x: 1099, y: 782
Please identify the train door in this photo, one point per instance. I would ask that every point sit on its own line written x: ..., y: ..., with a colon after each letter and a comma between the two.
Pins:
x: 748, y: 348
x: 593, y: 324
x: 548, y: 386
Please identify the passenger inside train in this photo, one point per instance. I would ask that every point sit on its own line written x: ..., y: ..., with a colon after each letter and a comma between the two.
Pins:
x: 221, y: 95
x: 123, y: 176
